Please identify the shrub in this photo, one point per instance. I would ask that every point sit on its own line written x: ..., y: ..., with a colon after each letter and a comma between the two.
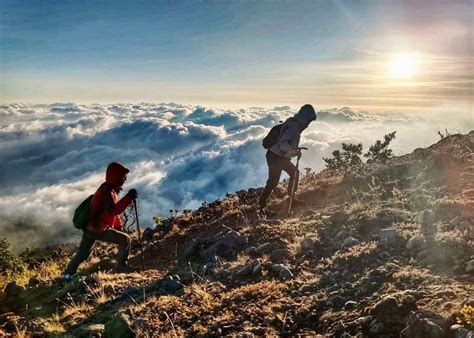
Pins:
x: 346, y: 160
x: 9, y: 262
x: 379, y: 152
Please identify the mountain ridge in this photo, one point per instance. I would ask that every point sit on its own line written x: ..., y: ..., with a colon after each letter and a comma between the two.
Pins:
x: 382, y: 252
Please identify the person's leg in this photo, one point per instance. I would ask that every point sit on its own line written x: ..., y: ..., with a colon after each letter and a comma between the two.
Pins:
x: 82, y: 254
x: 274, y: 172
x: 122, y: 240
x: 292, y: 171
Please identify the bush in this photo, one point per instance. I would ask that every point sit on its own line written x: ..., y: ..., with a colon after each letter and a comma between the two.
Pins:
x: 9, y: 262
x: 348, y: 160
x: 379, y: 152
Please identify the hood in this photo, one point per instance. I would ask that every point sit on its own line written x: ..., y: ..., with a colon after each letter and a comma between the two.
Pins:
x: 114, y: 174
x: 305, y: 115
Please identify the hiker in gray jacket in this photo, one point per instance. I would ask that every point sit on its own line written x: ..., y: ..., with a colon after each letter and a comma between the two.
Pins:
x: 280, y: 154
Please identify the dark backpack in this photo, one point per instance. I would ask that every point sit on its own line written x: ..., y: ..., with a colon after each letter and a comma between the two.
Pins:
x: 272, y: 137
x: 82, y: 213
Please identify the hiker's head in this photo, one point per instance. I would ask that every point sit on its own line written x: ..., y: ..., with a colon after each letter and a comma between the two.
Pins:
x: 306, y: 115
x: 116, y: 174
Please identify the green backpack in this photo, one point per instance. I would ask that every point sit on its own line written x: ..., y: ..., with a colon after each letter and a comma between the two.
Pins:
x: 82, y: 213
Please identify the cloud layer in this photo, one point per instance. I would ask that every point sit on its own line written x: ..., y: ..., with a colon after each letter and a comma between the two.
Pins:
x: 53, y: 156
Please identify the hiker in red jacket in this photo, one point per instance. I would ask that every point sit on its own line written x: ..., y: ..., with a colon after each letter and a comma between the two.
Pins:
x: 105, y: 224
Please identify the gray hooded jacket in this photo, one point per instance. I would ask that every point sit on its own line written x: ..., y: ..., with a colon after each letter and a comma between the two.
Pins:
x: 291, y: 130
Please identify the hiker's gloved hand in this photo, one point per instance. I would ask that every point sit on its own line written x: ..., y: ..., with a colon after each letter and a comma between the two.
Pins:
x: 132, y: 193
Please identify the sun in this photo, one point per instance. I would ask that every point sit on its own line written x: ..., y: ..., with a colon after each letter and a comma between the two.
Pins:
x: 403, y: 65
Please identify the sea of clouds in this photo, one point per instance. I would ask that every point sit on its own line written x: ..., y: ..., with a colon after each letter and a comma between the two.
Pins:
x: 53, y: 156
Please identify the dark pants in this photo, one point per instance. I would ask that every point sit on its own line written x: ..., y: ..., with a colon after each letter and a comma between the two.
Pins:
x: 275, y: 165
x: 88, y: 239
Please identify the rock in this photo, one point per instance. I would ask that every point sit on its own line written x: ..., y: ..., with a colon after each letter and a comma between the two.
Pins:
x: 226, y: 245
x: 426, y: 222
x: 171, y: 284
x: 13, y: 290
x: 364, y: 322
x: 390, y: 236
x: 342, y: 234
x: 470, y: 266
x: 457, y: 331
x: 131, y: 291
x: 338, y: 218
x: 257, y: 270
x: 263, y: 248
x: 119, y: 326
x: 349, y: 241
x: 251, y: 250
x: 417, y: 243
x: 336, y: 301
x: 246, y: 270
x: 279, y: 255
x: 455, y: 222
x: 284, y: 273
x: 33, y: 282
x: 468, y: 302
x: 148, y: 234
x: 385, y: 309
x: 190, y: 248
x: 425, y: 323
x: 307, y: 244
x: 376, y: 328
x: 349, y: 305
x: 92, y: 330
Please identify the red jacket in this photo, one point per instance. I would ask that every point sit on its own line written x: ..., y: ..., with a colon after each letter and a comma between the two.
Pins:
x: 106, y: 206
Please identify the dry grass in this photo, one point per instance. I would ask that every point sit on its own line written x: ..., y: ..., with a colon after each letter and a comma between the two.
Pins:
x: 75, y: 312
x: 44, y: 272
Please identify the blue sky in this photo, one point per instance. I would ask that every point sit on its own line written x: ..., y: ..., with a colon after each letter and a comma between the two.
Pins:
x: 237, y: 53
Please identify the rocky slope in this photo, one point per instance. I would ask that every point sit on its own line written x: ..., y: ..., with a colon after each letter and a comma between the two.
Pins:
x: 385, y: 252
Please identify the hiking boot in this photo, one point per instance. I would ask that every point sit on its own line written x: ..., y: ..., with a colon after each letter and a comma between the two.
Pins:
x: 124, y: 268
x: 67, y: 278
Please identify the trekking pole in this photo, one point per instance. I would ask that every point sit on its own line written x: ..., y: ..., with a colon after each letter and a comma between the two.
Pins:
x: 139, y: 233
x: 293, y: 183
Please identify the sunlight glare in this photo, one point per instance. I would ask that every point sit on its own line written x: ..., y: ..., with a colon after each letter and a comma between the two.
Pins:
x: 403, y: 65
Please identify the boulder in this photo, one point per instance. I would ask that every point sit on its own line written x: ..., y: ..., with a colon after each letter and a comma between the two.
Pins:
x: 171, y: 284
x: 423, y: 324
x: 131, y: 291
x: 148, y: 234
x: 349, y: 241
x: 307, y: 244
x: 226, y: 245
x: 284, y: 273
x: 457, y: 331
x: 119, y: 326
x: 257, y: 270
x: 470, y: 266
x: 13, y: 290
x: 426, y: 222
x: 263, y: 248
x: 246, y: 270
x: 279, y: 255
x: 390, y: 236
x: 385, y: 309
x: 417, y: 243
